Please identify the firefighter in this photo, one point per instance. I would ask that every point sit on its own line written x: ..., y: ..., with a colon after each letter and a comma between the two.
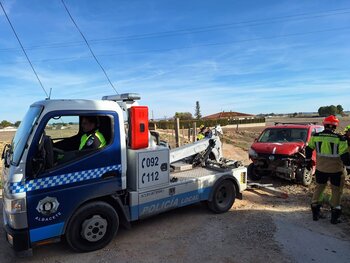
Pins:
x: 331, y: 156
x: 92, y: 138
x: 347, y: 134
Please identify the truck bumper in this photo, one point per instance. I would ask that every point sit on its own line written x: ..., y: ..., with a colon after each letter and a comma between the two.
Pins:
x: 17, y: 238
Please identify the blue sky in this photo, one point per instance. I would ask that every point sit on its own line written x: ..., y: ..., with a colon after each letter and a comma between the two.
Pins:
x: 248, y: 56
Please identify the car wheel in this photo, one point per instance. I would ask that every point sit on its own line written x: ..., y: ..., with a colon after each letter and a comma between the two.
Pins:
x: 306, y: 177
x: 224, y: 195
x: 252, y: 173
x: 92, y: 227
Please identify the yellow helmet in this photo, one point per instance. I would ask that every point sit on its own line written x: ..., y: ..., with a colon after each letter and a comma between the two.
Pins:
x: 201, y: 126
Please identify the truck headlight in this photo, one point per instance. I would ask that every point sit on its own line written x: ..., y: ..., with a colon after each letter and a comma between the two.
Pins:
x: 14, y: 206
x: 252, y: 153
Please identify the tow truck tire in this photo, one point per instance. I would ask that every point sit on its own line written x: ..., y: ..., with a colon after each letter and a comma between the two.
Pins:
x: 224, y: 195
x: 252, y: 173
x: 92, y: 227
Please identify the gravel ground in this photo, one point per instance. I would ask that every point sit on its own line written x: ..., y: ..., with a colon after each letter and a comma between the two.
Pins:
x: 187, y: 234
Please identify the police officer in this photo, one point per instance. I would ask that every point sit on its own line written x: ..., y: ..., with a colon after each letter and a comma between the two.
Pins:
x: 331, y: 153
x: 201, y: 134
x: 92, y: 138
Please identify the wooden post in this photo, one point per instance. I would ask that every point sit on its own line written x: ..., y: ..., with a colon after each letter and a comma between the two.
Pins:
x: 177, y: 132
x: 189, y: 134
x: 183, y: 132
x: 194, y: 134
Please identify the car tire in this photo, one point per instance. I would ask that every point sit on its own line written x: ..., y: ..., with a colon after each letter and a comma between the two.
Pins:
x: 306, y: 177
x: 92, y: 227
x: 252, y: 173
x: 224, y: 195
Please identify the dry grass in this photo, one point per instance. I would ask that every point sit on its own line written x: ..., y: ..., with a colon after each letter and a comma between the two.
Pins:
x: 344, y: 121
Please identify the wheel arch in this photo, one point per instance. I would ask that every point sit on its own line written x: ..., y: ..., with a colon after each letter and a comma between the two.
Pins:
x: 114, y: 201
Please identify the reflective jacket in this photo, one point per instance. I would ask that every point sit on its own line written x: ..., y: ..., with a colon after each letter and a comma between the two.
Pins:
x: 93, y: 140
x: 200, y: 136
x: 331, y: 151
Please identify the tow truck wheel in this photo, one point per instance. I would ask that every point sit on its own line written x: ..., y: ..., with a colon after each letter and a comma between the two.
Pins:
x: 224, y: 195
x: 92, y: 227
x: 252, y: 173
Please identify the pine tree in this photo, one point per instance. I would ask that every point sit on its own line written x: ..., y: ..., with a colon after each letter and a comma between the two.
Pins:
x: 197, y: 113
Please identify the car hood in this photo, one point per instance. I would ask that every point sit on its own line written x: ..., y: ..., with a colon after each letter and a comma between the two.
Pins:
x: 277, y: 148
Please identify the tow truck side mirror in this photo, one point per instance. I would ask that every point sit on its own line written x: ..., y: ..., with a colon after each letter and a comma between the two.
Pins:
x: 3, y: 152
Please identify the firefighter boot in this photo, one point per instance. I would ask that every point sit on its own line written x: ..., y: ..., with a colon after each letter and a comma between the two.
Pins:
x: 315, y: 211
x: 336, y: 212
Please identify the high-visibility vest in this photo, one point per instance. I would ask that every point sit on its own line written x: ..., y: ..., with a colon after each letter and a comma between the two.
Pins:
x: 328, y: 144
x: 200, y: 136
x: 329, y: 147
x: 86, y: 137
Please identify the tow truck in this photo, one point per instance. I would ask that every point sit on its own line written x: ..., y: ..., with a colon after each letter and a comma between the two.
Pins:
x: 52, y: 190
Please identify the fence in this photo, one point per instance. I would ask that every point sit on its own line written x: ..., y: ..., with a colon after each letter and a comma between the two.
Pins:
x: 187, y: 124
x: 191, y: 126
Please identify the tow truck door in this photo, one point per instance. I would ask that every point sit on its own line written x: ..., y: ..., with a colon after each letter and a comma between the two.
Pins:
x: 55, y: 193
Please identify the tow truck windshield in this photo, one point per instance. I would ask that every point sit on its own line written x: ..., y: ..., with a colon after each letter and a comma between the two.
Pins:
x: 284, y: 135
x: 22, y: 134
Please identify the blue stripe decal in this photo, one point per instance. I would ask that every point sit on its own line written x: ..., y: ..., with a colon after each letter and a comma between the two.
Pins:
x: 170, y: 202
x: 63, y: 179
x: 46, y: 232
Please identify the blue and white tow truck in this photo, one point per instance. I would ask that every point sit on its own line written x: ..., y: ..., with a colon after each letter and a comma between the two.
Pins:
x: 54, y: 190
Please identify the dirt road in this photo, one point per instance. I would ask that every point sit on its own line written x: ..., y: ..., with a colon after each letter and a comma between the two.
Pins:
x: 260, y: 228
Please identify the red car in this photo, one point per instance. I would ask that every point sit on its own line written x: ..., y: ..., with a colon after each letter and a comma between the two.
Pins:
x: 280, y: 151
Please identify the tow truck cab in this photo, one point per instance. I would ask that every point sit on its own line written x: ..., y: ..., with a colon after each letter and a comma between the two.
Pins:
x: 53, y: 189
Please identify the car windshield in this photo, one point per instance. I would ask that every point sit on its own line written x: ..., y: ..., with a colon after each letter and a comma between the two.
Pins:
x: 23, y: 132
x: 284, y: 135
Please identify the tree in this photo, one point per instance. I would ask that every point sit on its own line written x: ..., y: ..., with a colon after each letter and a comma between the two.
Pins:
x: 330, y: 110
x: 197, y: 113
x: 340, y: 109
x: 17, y: 123
x: 5, y: 123
x: 183, y: 115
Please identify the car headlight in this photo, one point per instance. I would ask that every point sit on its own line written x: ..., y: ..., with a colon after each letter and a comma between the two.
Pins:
x: 252, y: 153
x: 14, y: 206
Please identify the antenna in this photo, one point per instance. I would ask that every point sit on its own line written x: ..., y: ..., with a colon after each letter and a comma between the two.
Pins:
x: 25, y: 53
x: 88, y: 45
x: 50, y: 94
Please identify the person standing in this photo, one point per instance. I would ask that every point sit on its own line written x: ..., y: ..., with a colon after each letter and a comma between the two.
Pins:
x: 347, y: 134
x: 331, y: 156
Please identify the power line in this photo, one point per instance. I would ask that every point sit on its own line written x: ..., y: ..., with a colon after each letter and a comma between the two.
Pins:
x: 87, y: 43
x: 25, y: 53
x: 195, y: 30
x: 200, y: 45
